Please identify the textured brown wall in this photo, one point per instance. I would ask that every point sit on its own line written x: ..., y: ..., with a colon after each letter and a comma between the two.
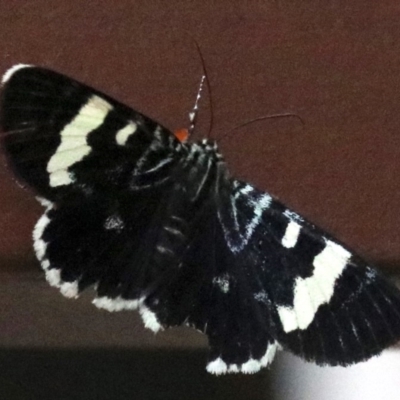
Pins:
x: 335, y: 64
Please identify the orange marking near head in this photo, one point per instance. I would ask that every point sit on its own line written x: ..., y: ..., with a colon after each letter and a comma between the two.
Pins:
x: 181, y: 134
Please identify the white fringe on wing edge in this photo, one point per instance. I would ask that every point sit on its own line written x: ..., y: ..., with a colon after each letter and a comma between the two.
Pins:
x: 71, y: 289
x: 11, y: 71
x: 219, y: 366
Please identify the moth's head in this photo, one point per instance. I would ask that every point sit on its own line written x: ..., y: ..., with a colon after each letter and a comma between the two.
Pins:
x: 210, y: 147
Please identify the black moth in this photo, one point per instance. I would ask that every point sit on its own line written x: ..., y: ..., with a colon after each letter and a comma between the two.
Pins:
x: 159, y: 225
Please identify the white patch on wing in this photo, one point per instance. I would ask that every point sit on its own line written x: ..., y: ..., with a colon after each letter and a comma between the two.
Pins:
x: 63, y: 159
x: 217, y: 367
x: 10, y: 72
x: 116, y: 304
x: 269, y: 355
x: 291, y: 236
x: 262, y: 297
x: 123, y: 134
x: 72, y: 142
x: 246, y: 190
x: 222, y: 282
x: 288, y: 317
x: 69, y: 289
x: 44, y: 202
x: 39, y: 244
x: 233, y: 368
x: 114, y: 223
x: 53, y: 275
x: 251, y: 366
x: 73, y: 147
x: 149, y: 318
x: 310, y: 293
x: 59, y: 178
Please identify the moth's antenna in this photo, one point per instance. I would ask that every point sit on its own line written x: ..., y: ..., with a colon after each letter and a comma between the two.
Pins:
x: 193, y: 113
x: 204, y: 78
x: 264, y: 117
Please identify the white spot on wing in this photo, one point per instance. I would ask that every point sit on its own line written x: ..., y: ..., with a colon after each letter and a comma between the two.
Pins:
x: 73, y: 147
x: 123, y: 134
x: 44, y: 202
x: 63, y: 159
x: 72, y: 142
x: 69, y: 289
x: 329, y: 265
x: 269, y: 355
x: 45, y: 264
x: 245, y: 190
x: 222, y: 282
x: 59, y: 178
x: 10, y: 72
x: 262, y: 297
x: 288, y: 318
x: 114, y: 222
x: 371, y: 273
x: 251, y: 366
x: 217, y: 367
x: 53, y: 275
x: 39, y: 244
x: 312, y: 292
x: 149, y: 318
x: 233, y: 368
x: 116, y: 304
x: 291, y: 236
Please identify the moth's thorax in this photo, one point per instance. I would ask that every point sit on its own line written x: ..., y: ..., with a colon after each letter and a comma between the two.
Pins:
x: 206, y: 148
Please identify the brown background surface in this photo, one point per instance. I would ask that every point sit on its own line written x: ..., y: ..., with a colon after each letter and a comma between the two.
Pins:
x: 334, y: 64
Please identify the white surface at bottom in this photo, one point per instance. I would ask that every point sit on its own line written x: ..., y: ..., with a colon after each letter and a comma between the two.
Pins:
x: 375, y: 379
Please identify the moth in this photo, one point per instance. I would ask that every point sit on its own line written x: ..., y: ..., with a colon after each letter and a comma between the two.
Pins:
x: 157, y: 224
